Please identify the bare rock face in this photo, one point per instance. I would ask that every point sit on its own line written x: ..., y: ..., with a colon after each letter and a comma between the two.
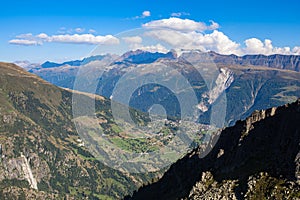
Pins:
x: 223, y: 82
x: 277, y: 189
x: 256, y: 159
x: 209, y: 189
x: 9, y: 118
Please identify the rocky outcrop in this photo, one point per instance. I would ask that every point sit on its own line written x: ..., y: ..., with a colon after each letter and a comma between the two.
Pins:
x: 259, y: 159
x: 222, y: 82
x: 210, y: 189
x: 19, y: 168
x: 28, y: 173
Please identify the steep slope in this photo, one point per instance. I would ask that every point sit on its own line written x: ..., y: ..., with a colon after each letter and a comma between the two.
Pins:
x: 258, y: 158
x: 41, y: 154
x: 258, y: 88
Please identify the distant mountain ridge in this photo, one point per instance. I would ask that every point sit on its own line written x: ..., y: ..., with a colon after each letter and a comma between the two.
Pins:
x: 49, y: 64
x: 278, y: 61
x: 140, y: 56
x: 274, y: 82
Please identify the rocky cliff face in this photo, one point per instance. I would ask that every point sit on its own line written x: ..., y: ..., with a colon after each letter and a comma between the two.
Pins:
x: 256, y: 159
x: 222, y: 83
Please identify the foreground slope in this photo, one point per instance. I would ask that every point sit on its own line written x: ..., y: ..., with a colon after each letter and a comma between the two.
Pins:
x: 41, y: 155
x: 258, y: 158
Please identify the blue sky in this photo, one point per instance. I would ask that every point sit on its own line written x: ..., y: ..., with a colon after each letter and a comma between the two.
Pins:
x: 278, y: 21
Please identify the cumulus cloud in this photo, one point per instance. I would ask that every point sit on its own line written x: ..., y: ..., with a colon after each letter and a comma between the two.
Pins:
x: 296, y: 50
x: 24, y: 42
x: 65, y: 38
x: 215, y: 41
x: 25, y: 36
x: 190, y: 34
x: 146, y: 13
x: 184, y: 25
x: 136, y: 42
x: 173, y: 32
x: 219, y: 42
x: 154, y: 48
x: 150, y: 48
x: 42, y: 36
x: 84, y: 39
x: 179, y: 14
x: 79, y: 30
x: 92, y: 31
x: 256, y: 46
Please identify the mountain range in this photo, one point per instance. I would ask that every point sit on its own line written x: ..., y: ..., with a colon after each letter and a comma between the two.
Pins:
x: 290, y: 62
x: 43, y: 156
x: 254, y: 82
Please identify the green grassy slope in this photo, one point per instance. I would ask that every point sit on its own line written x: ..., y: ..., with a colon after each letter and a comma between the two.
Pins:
x: 36, y: 121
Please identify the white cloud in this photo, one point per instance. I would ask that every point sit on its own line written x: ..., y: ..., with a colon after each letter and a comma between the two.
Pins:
x: 42, y: 36
x: 133, y: 40
x: 146, y: 13
x: 25, y: 35
x: 66, y: 38
x: 154, y: 48
x: 256, y: 46
x: 190, y: 34
x: 174, y: 32
x: 135, y: 43
x: 84, y: 39
x: 296, y: 50
x: 184, y: 25
x: 79, y: 30
x: 214, y: 25
x: 24, y: 42
x: 92, y: 31
x: 215, y: 41
x: 219, y: 42
x: 179, y: 14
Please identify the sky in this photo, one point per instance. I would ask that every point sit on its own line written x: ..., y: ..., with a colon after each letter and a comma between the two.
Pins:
x: 38, y: 31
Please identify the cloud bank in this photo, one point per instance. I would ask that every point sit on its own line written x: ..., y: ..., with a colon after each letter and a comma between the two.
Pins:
x: 185, y: 25
x: 175, y: 32
x: 29, y: 39
x: 189, y: 34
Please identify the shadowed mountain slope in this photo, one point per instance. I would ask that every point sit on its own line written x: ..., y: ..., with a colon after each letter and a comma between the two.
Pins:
x: 258, y: 158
